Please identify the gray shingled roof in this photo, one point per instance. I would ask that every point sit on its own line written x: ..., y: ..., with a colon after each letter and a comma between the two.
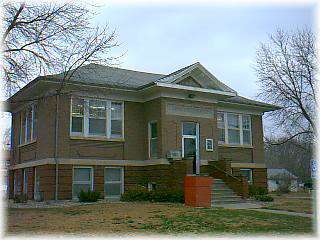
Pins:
x: 111, y: 76
x: 274, y: 172
x: 123, y: 78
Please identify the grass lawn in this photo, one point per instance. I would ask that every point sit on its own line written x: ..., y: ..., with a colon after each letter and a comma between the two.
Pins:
x: 146, y: 218
x: 293, y: 202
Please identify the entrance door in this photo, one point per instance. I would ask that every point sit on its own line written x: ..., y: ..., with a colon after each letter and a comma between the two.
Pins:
x: 190, y: 143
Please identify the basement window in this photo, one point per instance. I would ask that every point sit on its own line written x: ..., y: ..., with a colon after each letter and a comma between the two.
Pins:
x: 82, y: 180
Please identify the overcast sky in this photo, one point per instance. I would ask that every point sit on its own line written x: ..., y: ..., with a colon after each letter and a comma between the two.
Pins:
x: 164, y: 38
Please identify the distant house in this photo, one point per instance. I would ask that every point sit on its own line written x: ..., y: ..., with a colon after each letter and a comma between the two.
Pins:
x: 277, y: 176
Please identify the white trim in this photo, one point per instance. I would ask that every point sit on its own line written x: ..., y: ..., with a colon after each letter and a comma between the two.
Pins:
x: 196, y: 89
x: 25, y: 181
x: 209, y: 140
x: 83, y: 182
x: 226, y: 128
x: 121, y: 182
x: 149, y: 138
x: 85, y: 122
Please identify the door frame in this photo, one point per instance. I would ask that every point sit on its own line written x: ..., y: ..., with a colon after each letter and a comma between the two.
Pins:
x: 196, y: 137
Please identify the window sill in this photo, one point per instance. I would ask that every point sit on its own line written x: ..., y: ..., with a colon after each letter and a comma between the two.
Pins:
x: 26, y: 144
x: 97, y: 138
x: 235, y: 146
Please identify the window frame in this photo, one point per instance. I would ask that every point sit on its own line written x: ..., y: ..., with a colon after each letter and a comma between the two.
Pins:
x: 226, y: 129
x: 150, y: 138
x: 250, y: 181
x: 25, y: 181
x: 211, y: 142
x: 196, y: 137
x: 82, y: 182
x: 85, y: 133
x: 23, y: 129
x: 121, y: 181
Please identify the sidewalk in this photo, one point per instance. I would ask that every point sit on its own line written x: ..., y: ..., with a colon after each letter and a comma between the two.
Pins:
x: 258, y: 207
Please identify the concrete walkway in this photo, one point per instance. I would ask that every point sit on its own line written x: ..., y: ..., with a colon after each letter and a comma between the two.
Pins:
x: 258, y: 207
x: 284, y: 212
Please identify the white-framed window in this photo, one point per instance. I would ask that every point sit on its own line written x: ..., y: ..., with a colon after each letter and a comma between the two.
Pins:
x: 153, y: 139
x: 247, y: 172
x: 96, y: 118
x: 28, y: 124
x: 25, y: 181
x: 209, y: 144
x: 234, y: 128
x: 82, y: 179
x: 113, y: 182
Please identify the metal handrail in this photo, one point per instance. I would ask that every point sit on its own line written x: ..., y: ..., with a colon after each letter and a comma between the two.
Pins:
x: 228, y: 174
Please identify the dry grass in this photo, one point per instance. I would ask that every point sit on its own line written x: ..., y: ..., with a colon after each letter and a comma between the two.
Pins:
x: 146, y: 218
x: 293, y: 202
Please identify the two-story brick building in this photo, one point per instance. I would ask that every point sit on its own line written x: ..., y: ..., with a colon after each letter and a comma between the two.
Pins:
x: 111, y: 129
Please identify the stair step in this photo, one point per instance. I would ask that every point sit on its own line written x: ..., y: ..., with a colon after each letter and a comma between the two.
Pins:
x: 226, y: 198
x: 226, y: 201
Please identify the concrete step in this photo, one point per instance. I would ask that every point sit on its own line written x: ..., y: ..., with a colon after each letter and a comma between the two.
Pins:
x: 227, y: 194
x: 220, y: 198
x: 226, y: 201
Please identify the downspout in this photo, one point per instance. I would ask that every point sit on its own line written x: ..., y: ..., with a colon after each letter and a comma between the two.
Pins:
x: 56, y: 147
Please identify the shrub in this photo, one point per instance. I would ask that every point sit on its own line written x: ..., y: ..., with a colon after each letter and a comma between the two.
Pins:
x: 264, y: 198
x: 253, y: 191
x: 142, y: 194
x: 174, y: 196
x: 20, y: 198
x: 89, y: 196
x: 308, y: 184
x: 136, y: 194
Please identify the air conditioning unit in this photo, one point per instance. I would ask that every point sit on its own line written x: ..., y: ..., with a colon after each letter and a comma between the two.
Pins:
x: 174, y: 154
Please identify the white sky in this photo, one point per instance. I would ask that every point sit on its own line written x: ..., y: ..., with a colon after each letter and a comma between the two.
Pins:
x: 162, y: 38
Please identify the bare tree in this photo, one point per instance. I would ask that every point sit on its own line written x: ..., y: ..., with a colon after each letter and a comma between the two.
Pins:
x: 286, y: 67
x: 48, y: 38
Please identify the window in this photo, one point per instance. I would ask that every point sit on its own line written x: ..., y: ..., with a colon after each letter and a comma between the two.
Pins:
x: 116, y: 119
x: 246, y: 128
x: 247, y: 173
x: 97, y: 117
x: 28, y: 125
x: 153, y: 140
x: 82, y: 180
x: 234, y: 129
x: 92, y: 117
x: 209, y: 145
x: 25, y: 181
x: 221, y: 127
x: 113, y: 182
x: 77, y: 113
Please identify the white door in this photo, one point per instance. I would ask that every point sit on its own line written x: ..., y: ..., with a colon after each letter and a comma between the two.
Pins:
x: 190, y: 143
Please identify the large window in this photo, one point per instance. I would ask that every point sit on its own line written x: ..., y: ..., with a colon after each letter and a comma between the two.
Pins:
x: 28, y: 124
x: 92, y: 117
x: 153, y: 140
x: 82, y: 180
x: 234, y: 129
x: 113, y: 182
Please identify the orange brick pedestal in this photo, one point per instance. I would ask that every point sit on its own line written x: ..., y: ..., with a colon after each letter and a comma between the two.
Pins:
x: 197, y: 191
